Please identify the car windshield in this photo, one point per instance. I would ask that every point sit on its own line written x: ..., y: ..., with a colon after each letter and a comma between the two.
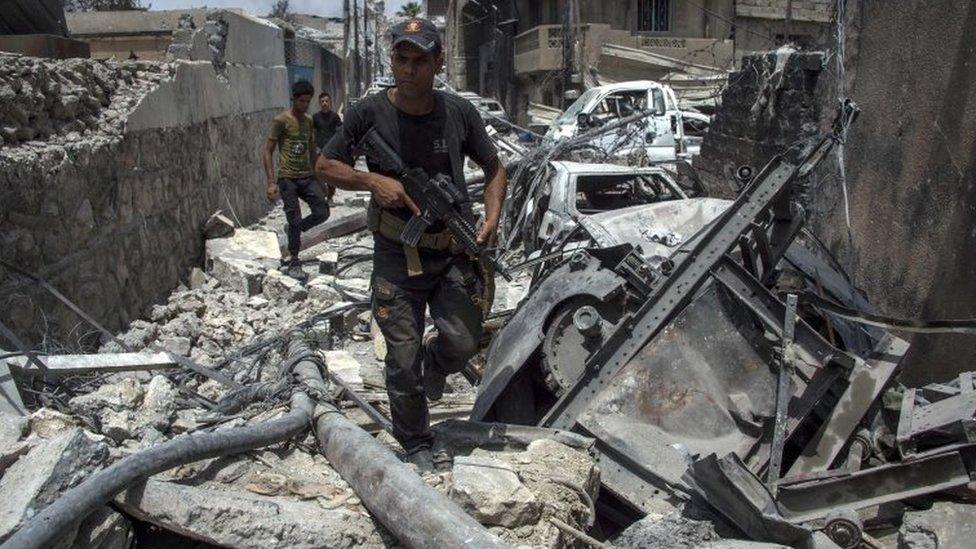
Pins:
x: 577, y: 106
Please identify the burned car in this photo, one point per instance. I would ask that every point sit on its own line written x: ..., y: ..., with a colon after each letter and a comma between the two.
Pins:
x: 575, y: 192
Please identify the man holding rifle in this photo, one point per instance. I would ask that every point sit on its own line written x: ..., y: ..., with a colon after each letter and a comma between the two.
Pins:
x: 431, y: 133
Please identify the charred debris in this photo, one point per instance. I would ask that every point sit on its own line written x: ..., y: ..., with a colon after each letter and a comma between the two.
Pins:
x: 668, y: 369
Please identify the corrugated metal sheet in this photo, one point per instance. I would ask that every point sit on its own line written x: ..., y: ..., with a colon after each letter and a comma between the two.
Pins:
x: 32, y: 17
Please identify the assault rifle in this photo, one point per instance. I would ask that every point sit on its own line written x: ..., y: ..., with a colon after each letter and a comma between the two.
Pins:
x: 437, y: 197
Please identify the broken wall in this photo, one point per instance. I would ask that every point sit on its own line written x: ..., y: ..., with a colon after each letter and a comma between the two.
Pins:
x: 910, y: 166
x: 110, y: 211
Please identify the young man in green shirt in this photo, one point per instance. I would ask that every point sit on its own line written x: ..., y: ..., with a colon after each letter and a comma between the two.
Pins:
x: 292, y: 132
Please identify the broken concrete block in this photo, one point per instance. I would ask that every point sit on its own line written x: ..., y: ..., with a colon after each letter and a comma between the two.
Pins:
x: 125, y: 395
x: 321, y: 290
x: 328, y: 261
x: 258, y: 246
x: 241, y: 275
x: 186, y: 421
x: 10, y: 453
x: 491, y: 492
x: 160, y: 395
x: 211, y: 389
x: 257, y: 302
x: 177, y: 344
x: 280, y: 287
x: 334, y: 227
x: 48, y: 470
x: 345, y: 367
x: 48, y: 423
x: 117, y: 425
x: 946, y: 524
x: 12, y: 428
x: 184, y: 325
x: 191, y: 305
x: 198, y: 278
x: 218, y: 226
x: 142, y: 333
x: 214, y: 513
x: 103, y: 363
x: 10, y: 401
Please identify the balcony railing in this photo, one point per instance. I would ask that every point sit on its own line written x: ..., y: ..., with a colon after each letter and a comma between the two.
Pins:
x: 540, y: 48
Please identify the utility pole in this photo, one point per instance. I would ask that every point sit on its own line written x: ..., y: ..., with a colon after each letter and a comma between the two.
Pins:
x: 377, y: 58
x: 357, y: 60
x: 367, y: 60
x: 569, y: 41
x: 346, y: 67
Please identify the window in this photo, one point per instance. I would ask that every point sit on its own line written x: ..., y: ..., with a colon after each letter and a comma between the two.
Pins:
x: 654, y: 15
x: 605, y: 192
x: 570, y: 113
x: 621, y: 104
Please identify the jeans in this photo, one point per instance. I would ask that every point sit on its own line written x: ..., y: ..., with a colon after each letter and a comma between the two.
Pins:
x: 310, y: 191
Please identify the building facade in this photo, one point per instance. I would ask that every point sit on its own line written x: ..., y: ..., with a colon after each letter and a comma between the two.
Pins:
x: 766, y: 24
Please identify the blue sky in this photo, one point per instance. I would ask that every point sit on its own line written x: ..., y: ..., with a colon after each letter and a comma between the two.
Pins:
x: 262, y: 7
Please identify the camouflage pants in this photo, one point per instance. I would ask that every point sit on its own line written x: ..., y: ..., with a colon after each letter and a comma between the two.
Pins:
x: 451, y: 291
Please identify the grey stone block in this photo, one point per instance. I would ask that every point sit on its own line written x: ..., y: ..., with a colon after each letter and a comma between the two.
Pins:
x: 491, y: 492
x: 946, y: 524
x: 241, y: 275
x: 214, y: 513
x: 280, y: 287
x: 48, y: 470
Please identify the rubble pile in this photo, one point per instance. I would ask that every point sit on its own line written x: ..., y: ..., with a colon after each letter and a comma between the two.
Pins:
x: 65, y: 101
x: 287, y: 494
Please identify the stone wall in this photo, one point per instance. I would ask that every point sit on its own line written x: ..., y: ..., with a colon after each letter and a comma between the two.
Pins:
x: 116, y: 227
x: 910, y: 164
x: 111, y: 213
x: 773, y: 100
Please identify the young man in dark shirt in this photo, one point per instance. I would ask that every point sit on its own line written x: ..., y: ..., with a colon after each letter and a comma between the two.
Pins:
x: 434, y: 131
x: 326, y: 121
x: 291, y: 131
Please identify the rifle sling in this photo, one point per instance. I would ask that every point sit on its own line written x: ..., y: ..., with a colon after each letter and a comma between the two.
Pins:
x: 391, y: 226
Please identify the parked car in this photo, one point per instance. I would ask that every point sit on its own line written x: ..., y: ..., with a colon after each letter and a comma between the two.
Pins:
x: 660, y: 136
x: 497, y: 117
x: 492, y: 112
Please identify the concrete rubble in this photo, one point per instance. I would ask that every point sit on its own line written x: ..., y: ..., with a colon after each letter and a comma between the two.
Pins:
x: 51, y: 467
x: 528, y: 495
x: 268, y: 498
x: 63, y: 102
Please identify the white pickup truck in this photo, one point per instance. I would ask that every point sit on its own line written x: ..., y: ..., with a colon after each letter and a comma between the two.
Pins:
x: 662, y: 134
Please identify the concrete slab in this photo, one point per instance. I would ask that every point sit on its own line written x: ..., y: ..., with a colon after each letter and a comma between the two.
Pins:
x: 102, y: 363
x: 216, y: 514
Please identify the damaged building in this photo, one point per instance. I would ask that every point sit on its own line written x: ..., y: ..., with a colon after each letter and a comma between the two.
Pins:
x: 740, y: 322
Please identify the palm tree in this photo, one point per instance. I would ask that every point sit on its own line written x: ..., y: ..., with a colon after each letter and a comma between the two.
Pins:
x: 280, y: 9
x: 410, y: 9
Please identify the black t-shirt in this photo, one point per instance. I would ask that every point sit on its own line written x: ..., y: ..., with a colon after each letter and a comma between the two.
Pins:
x: 437, y: 142
x: 326, y: 124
